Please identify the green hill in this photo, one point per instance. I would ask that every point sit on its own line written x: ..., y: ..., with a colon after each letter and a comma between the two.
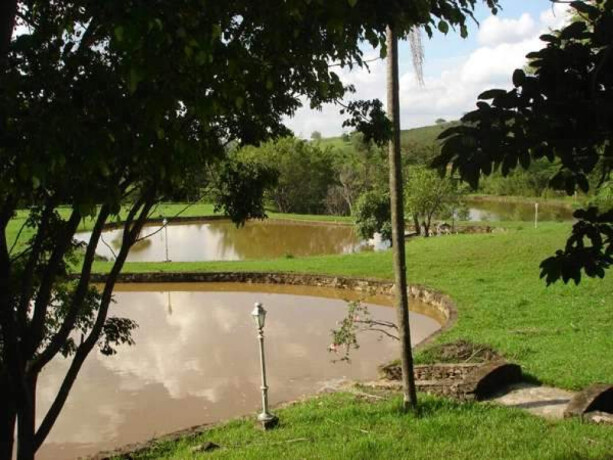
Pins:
x: 424, y: 137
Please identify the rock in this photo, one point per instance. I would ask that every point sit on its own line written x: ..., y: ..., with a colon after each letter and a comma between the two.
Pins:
x: 599, y: 417
x: 597, y: 397
x: 490, y: 378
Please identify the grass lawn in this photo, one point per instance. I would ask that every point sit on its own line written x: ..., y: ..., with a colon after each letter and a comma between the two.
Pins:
x: 346, y: 426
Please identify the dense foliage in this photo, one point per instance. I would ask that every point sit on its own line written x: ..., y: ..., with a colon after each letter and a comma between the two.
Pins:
x: 561, y: 112
x: 429, y: 196
x: 373, y: 215
x: 305, y: 173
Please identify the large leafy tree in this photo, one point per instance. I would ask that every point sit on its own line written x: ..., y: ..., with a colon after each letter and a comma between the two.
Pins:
x: 562, y: 111
x: 111, y: 104
x: 428, y: 195
x: 305, y: 173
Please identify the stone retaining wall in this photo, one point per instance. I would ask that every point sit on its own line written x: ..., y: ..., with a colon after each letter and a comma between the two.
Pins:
x: 443, y: 307
x: 463, y: 381
x: 204, y: 219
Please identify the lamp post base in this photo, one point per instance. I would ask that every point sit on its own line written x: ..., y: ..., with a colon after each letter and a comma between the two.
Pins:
x: 267, y: 421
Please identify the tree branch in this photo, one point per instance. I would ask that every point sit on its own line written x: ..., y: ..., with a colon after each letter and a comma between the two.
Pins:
x: 131, y: 230
x: 45, y: 290
x: 28, y: 272
x: 25, y: 222
x: 61, y: 336
x: 168, y: 221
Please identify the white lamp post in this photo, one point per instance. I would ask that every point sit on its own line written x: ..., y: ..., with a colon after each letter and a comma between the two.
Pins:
x: 267, y: 419
x: 165, y: 224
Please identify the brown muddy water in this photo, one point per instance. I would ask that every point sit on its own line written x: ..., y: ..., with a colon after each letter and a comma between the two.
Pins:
x: 196, y: 360
x: 221, y: 240
x: 481, y: 210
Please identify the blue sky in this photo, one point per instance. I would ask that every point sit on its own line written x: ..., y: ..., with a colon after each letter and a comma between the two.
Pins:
x: 456, y: 70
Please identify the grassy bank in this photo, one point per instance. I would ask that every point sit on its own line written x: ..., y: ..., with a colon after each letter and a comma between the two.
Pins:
x: 560, y: 334
x: 565, y: 201
x: 343, y: 426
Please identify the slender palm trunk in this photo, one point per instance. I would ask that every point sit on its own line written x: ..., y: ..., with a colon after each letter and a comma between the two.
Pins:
x: 397, y: 208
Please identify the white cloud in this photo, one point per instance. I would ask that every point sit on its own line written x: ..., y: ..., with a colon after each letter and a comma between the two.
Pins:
x: 495, y: 31
x: 556, y: 16
x: 495, y: 64
x: 504, y: 44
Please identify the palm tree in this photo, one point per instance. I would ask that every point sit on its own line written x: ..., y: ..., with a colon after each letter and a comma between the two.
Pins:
x: 397, y: 207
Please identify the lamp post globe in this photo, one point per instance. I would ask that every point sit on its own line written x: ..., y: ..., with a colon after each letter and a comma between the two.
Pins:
x: 266, y: 419
x: 259, y: 315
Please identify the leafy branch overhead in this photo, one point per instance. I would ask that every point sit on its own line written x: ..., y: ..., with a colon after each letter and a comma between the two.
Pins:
x: 370, y: 119
x: 560, y: 111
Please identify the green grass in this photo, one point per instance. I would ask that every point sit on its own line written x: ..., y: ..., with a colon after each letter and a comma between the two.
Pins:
x: 566, y: 201
x: 345, y: 426
x: 560, y: 334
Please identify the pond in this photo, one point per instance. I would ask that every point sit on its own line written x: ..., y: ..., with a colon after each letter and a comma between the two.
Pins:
x: 196, y: 360
x: 221, y: 240
x: 481, y: 210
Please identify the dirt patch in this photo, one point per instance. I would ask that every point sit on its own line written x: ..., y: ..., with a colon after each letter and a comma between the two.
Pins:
x: 461, y: 351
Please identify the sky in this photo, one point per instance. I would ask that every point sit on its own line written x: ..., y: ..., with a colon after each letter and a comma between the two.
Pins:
x: 455, y: 70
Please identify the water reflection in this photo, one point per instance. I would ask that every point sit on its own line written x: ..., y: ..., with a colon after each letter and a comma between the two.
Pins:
x: 221, y: 240
x: 196, y: 361
x: 493, y: 211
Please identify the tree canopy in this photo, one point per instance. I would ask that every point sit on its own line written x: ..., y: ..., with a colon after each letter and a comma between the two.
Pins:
x: 562, y: 111
x: 427, y: 195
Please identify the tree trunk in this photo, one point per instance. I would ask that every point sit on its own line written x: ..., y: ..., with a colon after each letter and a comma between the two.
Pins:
x: 26, y: 422
x: 8, y: 10
x: 416, y: 224
x: 397, y: 208
x: 8, y: 413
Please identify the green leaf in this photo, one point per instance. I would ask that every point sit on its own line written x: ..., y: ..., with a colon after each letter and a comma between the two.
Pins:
x: 134, y: 78
x: 119, y: 33
x: 549, y: 38
x: 586, y: 8
x: 575, y: 30
x: 519, y: 77
x: 352, y: 3
x: 372, y: 38
x: 216, y: 32
x: 492, y: 93
x: 443, y: 26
